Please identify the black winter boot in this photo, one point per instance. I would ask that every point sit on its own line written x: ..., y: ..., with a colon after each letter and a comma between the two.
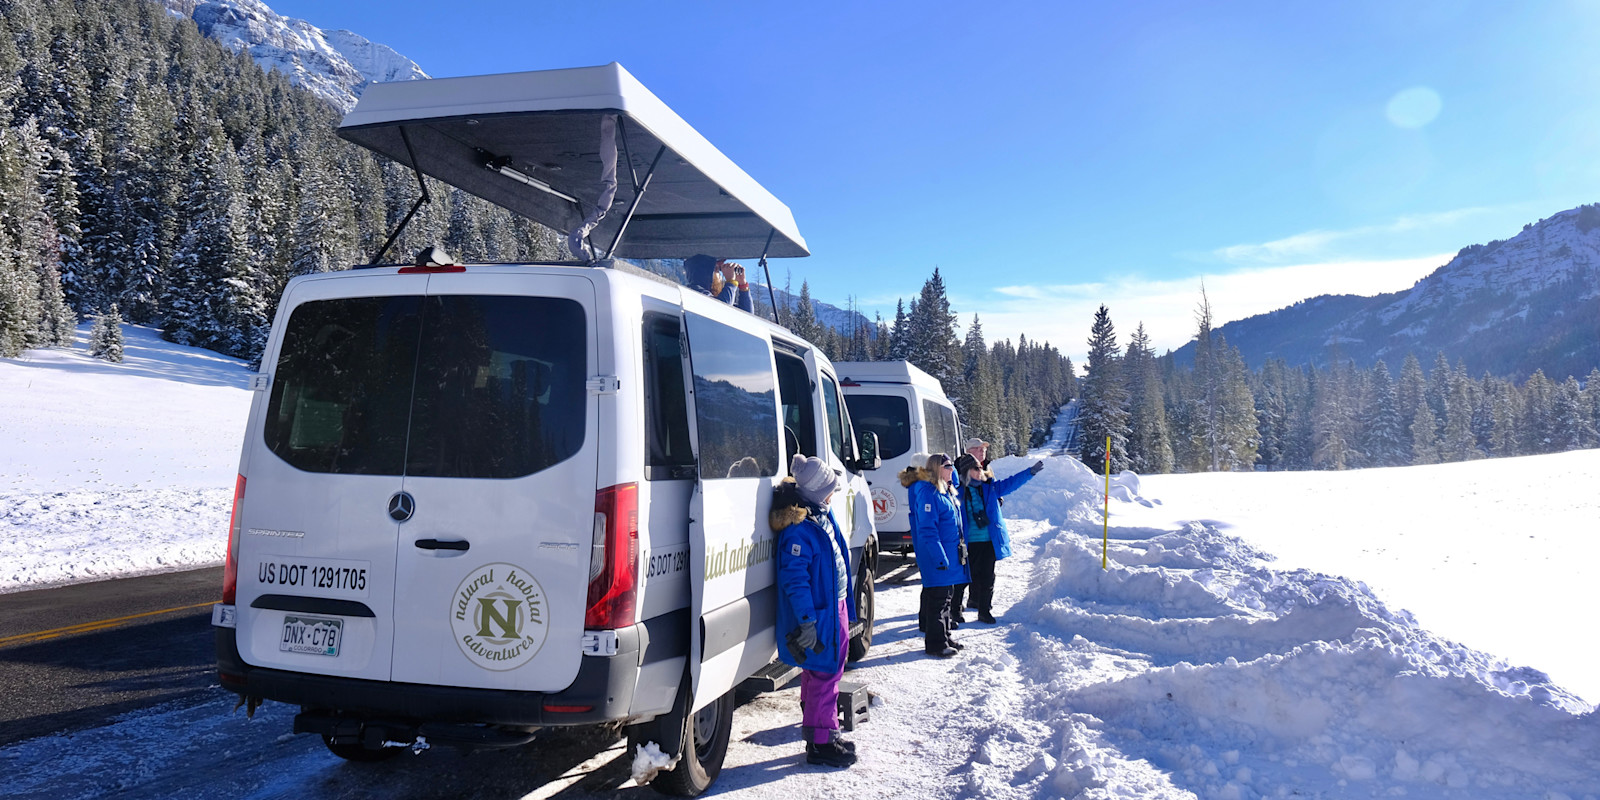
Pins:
x: 829, y: 754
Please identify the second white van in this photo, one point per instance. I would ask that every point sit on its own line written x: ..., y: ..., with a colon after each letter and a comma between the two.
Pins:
x: 907, y: 411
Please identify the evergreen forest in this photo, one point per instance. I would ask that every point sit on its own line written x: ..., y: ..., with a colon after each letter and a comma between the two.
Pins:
x: 145, y: 166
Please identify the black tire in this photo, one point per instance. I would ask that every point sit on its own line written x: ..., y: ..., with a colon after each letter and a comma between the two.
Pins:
x: 866, y: 609
x: 355, y: 751
x: 701, y: 743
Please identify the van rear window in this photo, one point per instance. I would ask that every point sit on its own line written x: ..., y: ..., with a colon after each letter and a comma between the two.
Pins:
x: 887, y: 416
x: 449, y: 387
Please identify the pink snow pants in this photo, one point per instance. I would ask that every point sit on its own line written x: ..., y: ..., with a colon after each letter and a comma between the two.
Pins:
x: 819, y: 691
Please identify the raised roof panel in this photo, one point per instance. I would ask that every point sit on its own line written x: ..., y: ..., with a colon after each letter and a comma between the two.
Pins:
x: 899, y: 372
x: 547, y: 123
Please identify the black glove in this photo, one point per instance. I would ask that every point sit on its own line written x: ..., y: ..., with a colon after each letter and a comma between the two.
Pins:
x: 802, y: 639
x: 1037, y: 468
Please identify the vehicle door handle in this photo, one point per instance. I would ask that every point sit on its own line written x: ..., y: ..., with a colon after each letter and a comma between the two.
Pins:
x: 435, y: 544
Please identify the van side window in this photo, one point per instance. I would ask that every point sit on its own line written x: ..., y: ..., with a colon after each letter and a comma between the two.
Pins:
x: 666, y: 410
x: 799, y: 417
x: 942, y: 434
x: 836, y: 424
x: 885, y: 415
x: 735, y: 401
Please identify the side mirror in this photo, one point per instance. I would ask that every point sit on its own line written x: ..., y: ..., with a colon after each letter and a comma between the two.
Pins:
x: 867, y: 448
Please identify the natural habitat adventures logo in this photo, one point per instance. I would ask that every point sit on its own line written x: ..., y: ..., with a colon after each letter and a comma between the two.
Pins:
x: 499, y: 617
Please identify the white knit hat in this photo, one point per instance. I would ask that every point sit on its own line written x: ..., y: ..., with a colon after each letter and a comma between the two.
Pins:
x: 814, y: 478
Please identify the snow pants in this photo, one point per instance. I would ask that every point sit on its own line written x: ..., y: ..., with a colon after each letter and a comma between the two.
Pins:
x: 980, y: 556
x: 819, y: 691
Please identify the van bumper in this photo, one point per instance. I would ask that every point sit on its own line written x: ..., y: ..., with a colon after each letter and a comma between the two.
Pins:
x: 601, y: 692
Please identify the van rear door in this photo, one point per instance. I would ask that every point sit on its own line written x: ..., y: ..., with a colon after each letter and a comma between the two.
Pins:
x: 493, y: 565
x: 316, y: 554
x: 736, y: 436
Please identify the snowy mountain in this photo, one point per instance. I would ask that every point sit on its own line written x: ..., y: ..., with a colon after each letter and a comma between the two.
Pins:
x: 1506, y: 307
x: 334, y: 65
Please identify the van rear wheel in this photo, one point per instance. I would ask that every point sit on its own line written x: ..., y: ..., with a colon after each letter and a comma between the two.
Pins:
x: 702, y: 739
x: 866, y: 610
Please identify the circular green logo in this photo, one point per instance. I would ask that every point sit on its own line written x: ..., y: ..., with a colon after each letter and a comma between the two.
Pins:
x: 499, y: 616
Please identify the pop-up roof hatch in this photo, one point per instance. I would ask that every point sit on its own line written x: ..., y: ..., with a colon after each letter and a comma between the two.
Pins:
x: 540, y: 144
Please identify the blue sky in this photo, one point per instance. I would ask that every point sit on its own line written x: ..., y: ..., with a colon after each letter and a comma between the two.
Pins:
x: 1049, y: 157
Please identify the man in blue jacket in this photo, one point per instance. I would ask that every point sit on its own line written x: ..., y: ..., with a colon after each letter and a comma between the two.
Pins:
x: 815, y: 604
x: 987, y: 540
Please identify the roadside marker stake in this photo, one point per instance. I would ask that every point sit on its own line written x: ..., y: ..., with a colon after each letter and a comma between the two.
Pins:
x: 1105, y: 533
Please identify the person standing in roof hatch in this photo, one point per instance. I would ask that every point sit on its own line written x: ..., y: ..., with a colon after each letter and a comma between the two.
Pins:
x: 815, y: 604
x: 987, y: 540
x: 723, y: 280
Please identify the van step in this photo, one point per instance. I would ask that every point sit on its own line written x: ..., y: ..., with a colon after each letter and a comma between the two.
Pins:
x: 855, y: 704
x: 769, y: 678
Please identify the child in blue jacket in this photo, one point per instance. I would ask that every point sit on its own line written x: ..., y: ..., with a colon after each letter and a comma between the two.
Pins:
x: 815, y: 604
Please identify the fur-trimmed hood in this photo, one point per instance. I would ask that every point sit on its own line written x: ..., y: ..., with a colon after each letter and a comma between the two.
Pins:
x: 787, y: 507
x: 912, y: 474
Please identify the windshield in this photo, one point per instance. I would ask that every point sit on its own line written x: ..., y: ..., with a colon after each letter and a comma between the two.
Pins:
x: 885, y: 415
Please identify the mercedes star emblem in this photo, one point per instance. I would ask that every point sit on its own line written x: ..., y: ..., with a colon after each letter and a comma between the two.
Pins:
x: 401, y: 507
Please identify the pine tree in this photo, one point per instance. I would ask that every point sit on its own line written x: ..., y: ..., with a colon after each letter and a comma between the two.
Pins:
x: 105, y: 337
x: 1572, y: 427
x: 932, y: 344
x: 900, y: 332
x: 1424, y: 435
x: 1382, y: 437
x: 1104, y: 410
x: 1222, y: 420
x: 982, y: 403
x: 802, y: 316
x: 1332, y: 416
x: 1459, y: 443
x: 1149, y: 446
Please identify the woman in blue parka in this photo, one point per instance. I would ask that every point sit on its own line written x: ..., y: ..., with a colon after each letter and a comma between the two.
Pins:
x: 815, y: 604
x: 987, y: 540
x: 941, y: 553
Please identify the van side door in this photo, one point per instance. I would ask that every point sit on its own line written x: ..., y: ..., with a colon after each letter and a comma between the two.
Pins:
x: 738, y: 449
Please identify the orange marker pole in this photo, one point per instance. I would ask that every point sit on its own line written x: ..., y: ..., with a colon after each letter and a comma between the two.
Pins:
x: 1105, y: 534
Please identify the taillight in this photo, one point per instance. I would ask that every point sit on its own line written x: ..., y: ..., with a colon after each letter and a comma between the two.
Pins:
x: 613, y: 565
x: 230, y: 572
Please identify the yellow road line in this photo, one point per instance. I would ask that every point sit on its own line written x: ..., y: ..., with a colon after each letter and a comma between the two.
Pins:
x: 85, y: 627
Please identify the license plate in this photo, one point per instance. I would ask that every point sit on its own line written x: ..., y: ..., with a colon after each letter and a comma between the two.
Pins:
x: 315, y: 635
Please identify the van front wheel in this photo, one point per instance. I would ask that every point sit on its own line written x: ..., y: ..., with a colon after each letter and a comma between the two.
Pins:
x: 703, y: 738
x: 866, y: 610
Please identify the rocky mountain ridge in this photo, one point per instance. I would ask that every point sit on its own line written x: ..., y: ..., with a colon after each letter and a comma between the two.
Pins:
x: 1506, y: 307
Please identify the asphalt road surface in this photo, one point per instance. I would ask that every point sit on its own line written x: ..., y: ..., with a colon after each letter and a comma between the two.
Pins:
x: 75, y: 656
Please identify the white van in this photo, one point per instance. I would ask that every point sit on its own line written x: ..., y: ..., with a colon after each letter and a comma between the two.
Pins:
x: 476, y: 500
x: 908, y: 413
